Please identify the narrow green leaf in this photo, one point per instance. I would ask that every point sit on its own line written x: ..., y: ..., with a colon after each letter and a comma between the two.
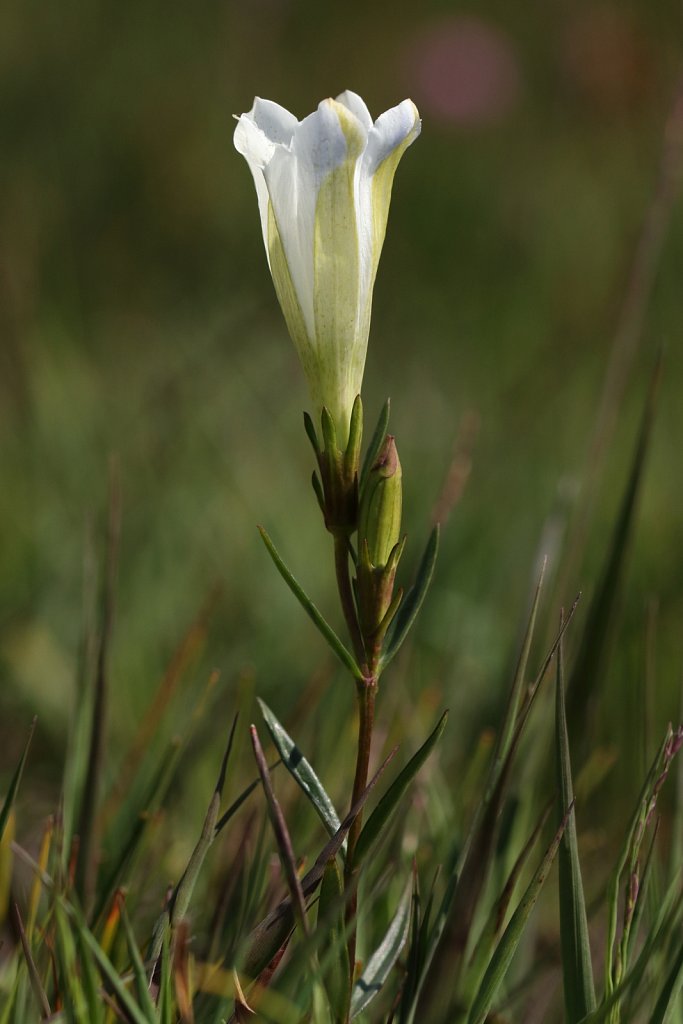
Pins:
x: 389, y: 802
x: 667, y: 921
x: 517, y: 688
x: 430, y: 938
x: 272, y: 933
x: 475, y: 856
x: 14, y: 784
x: 131, y: 826
x: 282, y: 837
x: 165, y: 987
x: 87, y: 864
x: 493, y: 927
x: 323, y: 627
x: 110, y: 973
x: 376, y: 442
x: 141, y: 983
x: 625, y: 876
x: 505, y: 950
x: 598, y: 633
x: 301, y: 770
x: 75, y: 1003
x: 408, y: 611
x: 237, y: 803
x: 333, y: 949
x: 670, y: 992
x: 180, y: 900
x: 385, y: 956
x: 34, y: 974
x: 577, y: 967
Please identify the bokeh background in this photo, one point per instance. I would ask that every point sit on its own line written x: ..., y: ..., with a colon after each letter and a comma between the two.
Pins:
x: 137, y: 318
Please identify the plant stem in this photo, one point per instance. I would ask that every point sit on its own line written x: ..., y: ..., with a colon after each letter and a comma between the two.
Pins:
x: 366, y: 692
x: 366, y: 714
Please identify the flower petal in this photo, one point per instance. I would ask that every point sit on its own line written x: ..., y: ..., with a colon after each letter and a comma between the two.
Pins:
x: 293, y: 177
x: 257, y: 150
x: 276, y: 123
x: 353, y: 102
x: 394, y: 128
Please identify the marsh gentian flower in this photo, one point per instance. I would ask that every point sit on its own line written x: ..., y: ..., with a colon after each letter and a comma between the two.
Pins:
x: 324, y: 187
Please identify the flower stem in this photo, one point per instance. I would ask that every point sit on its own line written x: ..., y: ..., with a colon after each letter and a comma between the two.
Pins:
x: 365, y: 692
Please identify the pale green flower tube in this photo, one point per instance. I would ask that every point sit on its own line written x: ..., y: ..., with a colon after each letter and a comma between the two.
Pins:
x: 324, y: 188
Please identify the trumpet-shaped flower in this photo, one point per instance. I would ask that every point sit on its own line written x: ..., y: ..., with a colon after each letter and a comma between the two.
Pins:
x: 324, y: 187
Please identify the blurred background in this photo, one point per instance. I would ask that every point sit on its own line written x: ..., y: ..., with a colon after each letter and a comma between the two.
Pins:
x: 138, y: 319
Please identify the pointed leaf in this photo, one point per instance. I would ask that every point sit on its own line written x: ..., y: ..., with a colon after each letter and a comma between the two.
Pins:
x: 311, y: 434
x: 333, y: 949
x: 141, y: 985
x: 577, y: 968
x: 670, y: 992
x: 517, y: 688
x: 408, y: 611
x: 282, y: 837
x: 505, y: 950
x: 301, y: 770
x: 385, y: 956
x: 304, y: 600
x: 389, y: 802
x: 597, y: 635
x: 14, y: 784
x: 272, y: 933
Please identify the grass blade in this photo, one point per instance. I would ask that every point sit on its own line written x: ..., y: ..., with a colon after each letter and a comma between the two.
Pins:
x: 33, y: 973
x: 301, y: 770
x: 180, y: 900
x: 597, y: 634
x: 385, y: 956
x: 491, y: 931
x: 517, y: 688
x: 14, y: 784
x: 282, y: 837
x: 311, y: 610
x: 333, y: 949
x: 389, y: 802
x: 670, y: 992
x: 141, y: 985
x: 88, y: 853
x: 577, y: 968
x: 505, y: 950
x: 408, y: 611
x: 271, y: 934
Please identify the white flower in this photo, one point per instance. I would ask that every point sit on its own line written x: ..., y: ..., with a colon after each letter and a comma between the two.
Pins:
x: 324, y: 187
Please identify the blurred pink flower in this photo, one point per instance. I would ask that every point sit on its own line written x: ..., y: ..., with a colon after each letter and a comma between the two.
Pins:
x: 464, y: 71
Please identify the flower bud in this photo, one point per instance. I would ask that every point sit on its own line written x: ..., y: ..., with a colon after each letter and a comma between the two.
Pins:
x: 380, y: 510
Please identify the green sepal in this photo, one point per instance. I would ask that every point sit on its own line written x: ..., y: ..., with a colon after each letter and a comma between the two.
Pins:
x: 352, y: 453
x: 408, y: 612
x: 309, y: 427
x: 376, y: 442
